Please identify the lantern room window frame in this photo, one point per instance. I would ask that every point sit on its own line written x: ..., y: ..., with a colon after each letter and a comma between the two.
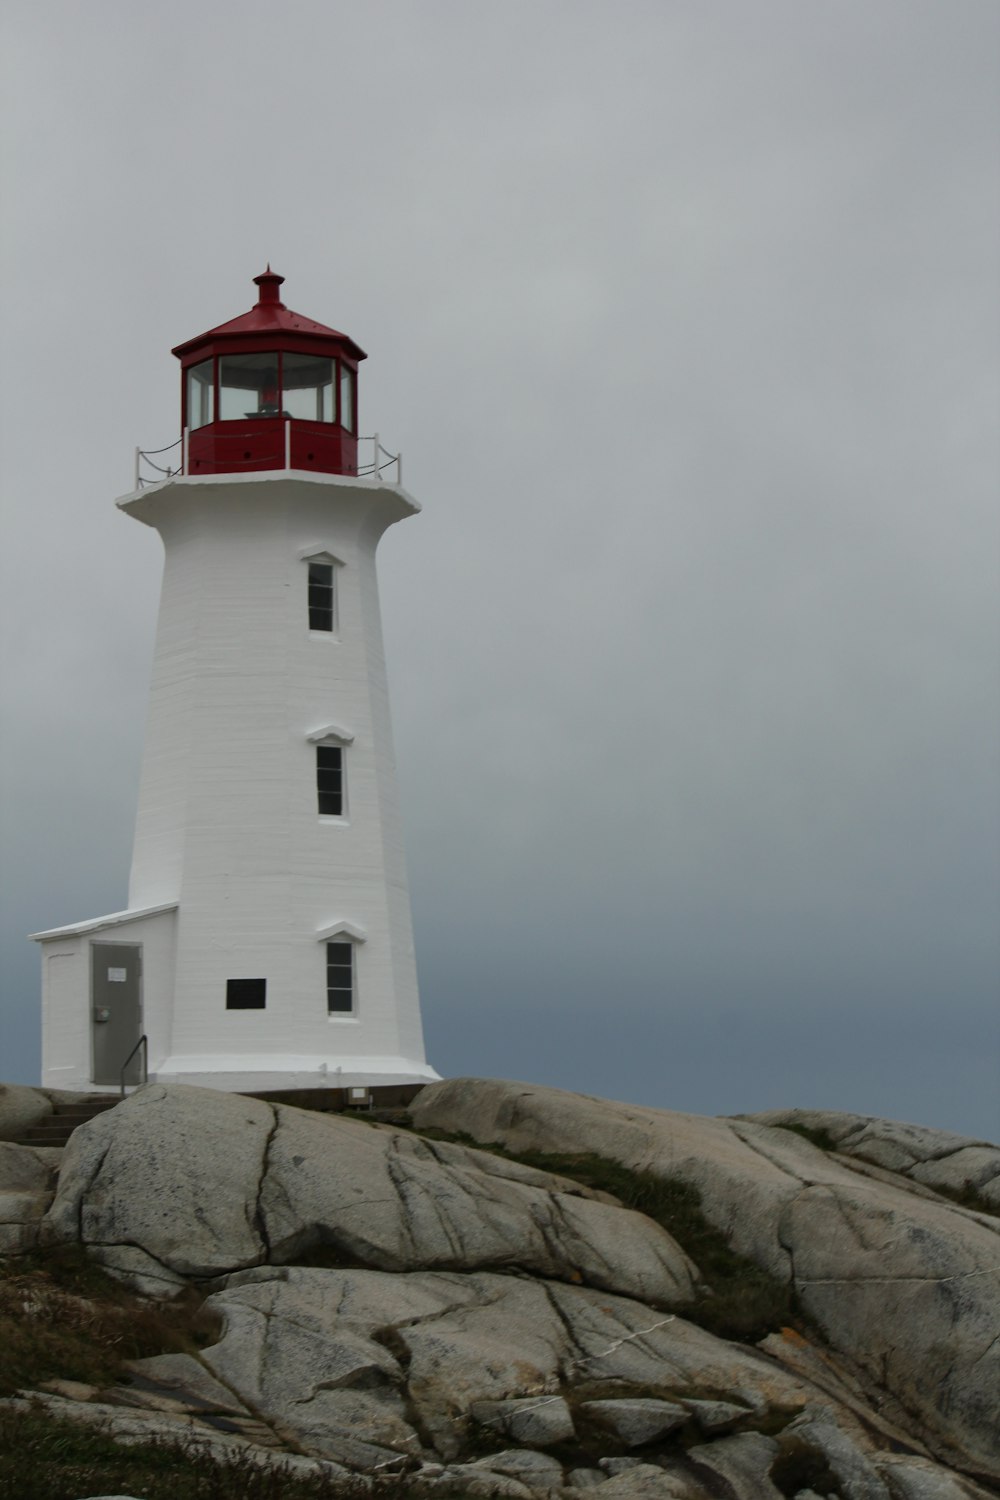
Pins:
x: 344, y: 392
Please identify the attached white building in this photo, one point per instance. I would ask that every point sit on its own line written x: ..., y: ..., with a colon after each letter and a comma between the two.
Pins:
x: 267, y: 942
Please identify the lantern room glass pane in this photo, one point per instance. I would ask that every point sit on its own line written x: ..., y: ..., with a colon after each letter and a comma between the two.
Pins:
x: 200, y: 395
x: 308, y: 387
x: 248, y: 386
x: 346, y: 397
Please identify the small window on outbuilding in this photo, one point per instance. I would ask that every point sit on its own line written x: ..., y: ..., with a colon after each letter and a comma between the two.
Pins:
x: 321, y: 599
x: 330, y: 780
x: 246, y: 994
x: 339, y: 979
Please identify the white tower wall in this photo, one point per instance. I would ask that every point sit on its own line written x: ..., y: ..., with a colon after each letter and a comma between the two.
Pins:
x: 227, y: 825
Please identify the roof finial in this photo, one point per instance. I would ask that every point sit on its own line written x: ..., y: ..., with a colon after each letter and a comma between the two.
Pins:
x: 268, y: 282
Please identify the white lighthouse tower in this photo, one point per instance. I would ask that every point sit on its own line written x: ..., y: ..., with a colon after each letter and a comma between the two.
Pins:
x: 267, y: 943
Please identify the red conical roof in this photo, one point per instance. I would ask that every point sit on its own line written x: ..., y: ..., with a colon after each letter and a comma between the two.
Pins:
x: 270, y: 316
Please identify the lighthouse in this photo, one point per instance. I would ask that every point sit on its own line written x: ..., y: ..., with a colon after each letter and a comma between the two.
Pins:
x: 267, y: 943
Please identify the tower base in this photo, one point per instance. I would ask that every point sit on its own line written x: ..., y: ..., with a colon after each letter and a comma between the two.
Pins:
x: 281, y: 1074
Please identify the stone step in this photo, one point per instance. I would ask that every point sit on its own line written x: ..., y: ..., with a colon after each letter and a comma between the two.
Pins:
x: 88, y: 1105
x: 56, y: 1128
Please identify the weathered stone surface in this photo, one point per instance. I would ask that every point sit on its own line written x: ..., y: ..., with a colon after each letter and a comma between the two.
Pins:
x: 716, y: 1416
x: 20, y: 1109
x: 187, y: 1379
x: 938, y: 1158
x: 911, y: 1293
x: 468, y: 1482
x: 302, y: 1352
x: 817, y: 1436
x: 26, y: 1185
x: 203, y: 1183
x: 741, y: 1186
x: 132, y: 1264
x: 584, y: 1479
x: 916, y: 1479
x: 535, y: 1421
x: 343, y: 1357
x: 75, y: 1390
x: 27, y: 1168
x: 648, y: 1482
x: 975, y: 1168
x: 20, y: 1217
x: 462, y: 1294
x: 185, y: 1433
x: 528, y: 1464
x: 905, y: 1286
x: 168, y: 1173
x: 840, y: 1386
x: 743, y: 1463
x: 636, y: 1422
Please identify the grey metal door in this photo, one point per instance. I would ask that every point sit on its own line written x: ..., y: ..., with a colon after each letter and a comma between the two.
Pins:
x: 115, y: 1009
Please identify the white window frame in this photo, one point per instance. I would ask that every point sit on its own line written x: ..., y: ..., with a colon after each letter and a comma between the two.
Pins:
x: 333, y: 734
x: 343, y: 932
x: 314, y: 555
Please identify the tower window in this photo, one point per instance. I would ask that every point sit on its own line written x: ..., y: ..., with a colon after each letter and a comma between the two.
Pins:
x: 339, y: 978
x: 201, y: 394
x: 330, y: 780
x: 346, y: 398
x: 246, y: 994
x: 307, y: 387
x: 320, y: 596
x: 248, y: 386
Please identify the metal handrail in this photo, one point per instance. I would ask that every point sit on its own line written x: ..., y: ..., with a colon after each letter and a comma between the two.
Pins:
x: 146, y: 456
x: 144, y: 1045
x: 381, y: 460
x: 374, y: 469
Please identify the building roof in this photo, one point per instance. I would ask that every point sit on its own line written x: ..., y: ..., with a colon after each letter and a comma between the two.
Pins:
x: 114, y: 919
x: 268, y: 317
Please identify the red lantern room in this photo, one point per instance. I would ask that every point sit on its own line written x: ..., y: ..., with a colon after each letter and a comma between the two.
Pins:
x: 270, y: 390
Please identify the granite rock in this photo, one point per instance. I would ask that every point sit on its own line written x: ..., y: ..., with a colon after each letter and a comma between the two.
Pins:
x: 907, y: 1287
x: 180, y: 1182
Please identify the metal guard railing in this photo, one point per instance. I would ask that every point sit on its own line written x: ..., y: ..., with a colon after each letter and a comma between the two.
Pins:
x: 148, y: 471
x: 143, y: 1046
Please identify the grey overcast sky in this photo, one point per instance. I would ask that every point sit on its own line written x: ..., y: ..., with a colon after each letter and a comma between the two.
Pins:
x: 685, y: 316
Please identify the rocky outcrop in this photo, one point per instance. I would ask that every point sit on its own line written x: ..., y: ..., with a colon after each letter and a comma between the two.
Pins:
x: 953, y: 1164
x: 906, y: 1284
x: 27, y: 1182
x: 21, y: 1108
x: 390, y: 1303
x: 181, y: 1182
x: 429, y: 1359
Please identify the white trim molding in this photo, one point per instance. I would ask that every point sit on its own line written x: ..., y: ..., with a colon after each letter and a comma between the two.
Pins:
x: 342, y: 929
x: 115, y: 919
x: 321, y: 555
x: 331, y: 732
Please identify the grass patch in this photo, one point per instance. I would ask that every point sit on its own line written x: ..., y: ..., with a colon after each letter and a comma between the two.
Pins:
x: 743, y: 1301
x: 62, y: 1317
x: 42, y: 1458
